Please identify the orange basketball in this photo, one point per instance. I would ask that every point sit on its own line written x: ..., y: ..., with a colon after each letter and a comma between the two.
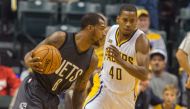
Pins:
x: 50, y: 58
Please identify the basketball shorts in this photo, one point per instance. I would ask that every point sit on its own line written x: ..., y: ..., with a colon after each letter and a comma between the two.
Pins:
x: 32, y: 95
x: 101, y: 97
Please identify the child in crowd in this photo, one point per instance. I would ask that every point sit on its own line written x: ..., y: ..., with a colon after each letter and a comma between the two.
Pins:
x: 169, y: 96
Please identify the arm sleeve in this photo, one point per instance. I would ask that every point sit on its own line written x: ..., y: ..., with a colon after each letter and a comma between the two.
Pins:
x: 185, y: 45
x: 13, y: 81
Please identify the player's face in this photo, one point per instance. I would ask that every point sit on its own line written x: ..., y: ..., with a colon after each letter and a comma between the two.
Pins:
x: 169, y: 97
x: 99, y: 33
x: 157, y: 64
x: 127, y: 21
x: 143, y: 23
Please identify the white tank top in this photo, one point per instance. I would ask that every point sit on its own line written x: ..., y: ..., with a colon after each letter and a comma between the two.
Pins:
x: 114, y: 76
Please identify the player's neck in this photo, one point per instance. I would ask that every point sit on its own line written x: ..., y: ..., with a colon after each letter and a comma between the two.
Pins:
x: 123, y: 37
x: 82, y: 41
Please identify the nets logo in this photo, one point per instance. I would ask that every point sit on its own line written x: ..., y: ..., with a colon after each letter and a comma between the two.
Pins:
x: 23, y: 105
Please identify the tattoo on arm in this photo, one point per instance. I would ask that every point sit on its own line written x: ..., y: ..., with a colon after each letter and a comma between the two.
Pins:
x: 56, y: 39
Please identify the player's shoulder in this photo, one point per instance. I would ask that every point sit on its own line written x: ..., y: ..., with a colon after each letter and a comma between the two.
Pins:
x: 56, y: 39
x: 139, y: 32
x: 142, y: 43
x: 141, y: 36
x: 113, y: 27
x: 59, y: 34
x: 188, y: 36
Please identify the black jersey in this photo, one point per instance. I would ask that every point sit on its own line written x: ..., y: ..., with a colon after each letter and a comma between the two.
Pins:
x: 74, y: 64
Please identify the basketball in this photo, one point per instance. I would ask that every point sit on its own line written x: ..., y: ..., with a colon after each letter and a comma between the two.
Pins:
x: 50, y: 58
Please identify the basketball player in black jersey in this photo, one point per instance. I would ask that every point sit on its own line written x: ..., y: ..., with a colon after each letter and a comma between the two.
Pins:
x: 39, y: 91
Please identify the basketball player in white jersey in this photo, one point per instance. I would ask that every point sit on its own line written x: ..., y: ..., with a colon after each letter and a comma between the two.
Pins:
x: 126, y: 55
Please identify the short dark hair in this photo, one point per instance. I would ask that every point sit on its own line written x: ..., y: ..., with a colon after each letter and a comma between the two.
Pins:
x: 90, y: 19
x: 127, y: 7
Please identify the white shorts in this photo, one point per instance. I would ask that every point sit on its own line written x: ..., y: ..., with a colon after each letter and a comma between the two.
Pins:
x: 101, y: 97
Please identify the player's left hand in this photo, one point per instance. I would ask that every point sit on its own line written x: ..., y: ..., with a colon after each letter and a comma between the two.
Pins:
x: 114, y: 52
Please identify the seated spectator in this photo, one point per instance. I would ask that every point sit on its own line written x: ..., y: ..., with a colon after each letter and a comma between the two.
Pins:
x: 160, y: 77
x: 170, y: 97
x: 9, y: 83
x: 155, y: 39
x: 146, y: 96
x: 152, y: 7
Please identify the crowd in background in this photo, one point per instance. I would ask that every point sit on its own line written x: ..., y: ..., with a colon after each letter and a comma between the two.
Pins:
x: 162, y: 22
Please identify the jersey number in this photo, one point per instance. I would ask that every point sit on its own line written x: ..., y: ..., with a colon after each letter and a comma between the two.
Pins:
x: 56, y: 84
x: 118, y: 73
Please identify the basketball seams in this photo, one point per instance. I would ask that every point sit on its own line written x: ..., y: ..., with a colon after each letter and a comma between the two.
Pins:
x: 39, y: 51
x: 51, y: 60
x: 45, y: 46
x: 59, y: 58
x: 44, y: 58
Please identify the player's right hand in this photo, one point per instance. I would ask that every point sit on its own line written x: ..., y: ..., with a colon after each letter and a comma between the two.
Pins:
x: 34, y: 63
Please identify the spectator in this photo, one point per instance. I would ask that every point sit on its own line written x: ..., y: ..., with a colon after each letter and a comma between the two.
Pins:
x: 169, y: 96
x: 160, y: 77
x: 152, y: 7
x: 155, y: 39
x: 183, y: 57
x: 146, y: 96
x: 9, y: 83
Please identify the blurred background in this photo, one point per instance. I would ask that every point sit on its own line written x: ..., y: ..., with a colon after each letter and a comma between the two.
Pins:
x: 24, y: 23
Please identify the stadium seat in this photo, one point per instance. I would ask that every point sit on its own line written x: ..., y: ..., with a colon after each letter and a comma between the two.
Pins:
x: 185, y: 13
x: 163, y: 34
x: 72, y: 13
x: 185, y: 19
x: 111, y: 11
x: 35, y: 15
x: 68, y: 28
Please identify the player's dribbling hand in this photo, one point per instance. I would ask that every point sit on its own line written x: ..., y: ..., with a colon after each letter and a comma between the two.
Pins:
x: 114, y: 52
x: 34, y: 63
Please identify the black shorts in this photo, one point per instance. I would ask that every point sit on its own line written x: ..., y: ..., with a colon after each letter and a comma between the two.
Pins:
x: 32, y: 95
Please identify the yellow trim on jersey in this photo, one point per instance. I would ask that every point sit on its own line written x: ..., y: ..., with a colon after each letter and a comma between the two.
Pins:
x: 116, y: 36
x: 117, y: 40
x: 94, y: 91
x: 100, y: 53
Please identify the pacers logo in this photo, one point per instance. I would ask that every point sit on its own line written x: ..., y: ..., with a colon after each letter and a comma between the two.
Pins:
x: 23, y: 105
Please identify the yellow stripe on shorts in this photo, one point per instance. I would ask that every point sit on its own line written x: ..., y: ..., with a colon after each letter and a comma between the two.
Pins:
x: 95, y: 91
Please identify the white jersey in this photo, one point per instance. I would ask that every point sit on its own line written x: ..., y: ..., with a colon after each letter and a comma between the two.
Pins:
x: 114, y: 76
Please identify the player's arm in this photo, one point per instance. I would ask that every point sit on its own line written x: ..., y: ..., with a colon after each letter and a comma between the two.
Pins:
x: 79, y: 93
x: 182, y: 58
x: 56, y: 40
x: 140, y: 70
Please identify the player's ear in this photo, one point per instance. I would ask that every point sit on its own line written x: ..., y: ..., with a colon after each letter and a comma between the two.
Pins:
x: 90, y: 28
x: 117, y: 19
